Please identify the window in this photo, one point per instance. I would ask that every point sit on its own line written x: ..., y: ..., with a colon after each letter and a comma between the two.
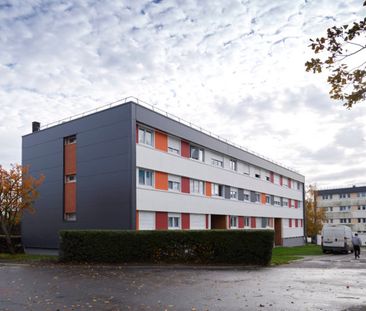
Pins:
x: 344, y: 195
x: 70, y: 217
x: 233, y: 193
x: 70, y: 140
x: 284, y: 181
x: 293, y: 203
x: 264, y: 222
x: 174, y: 183
x: 145, y: 177
x: 257, y: 197
x: 215, y: 162
x: 285, y: 202
x: 145, y: 136
x: 196, y: 186
x: 361, y: 194
x: 268, y: 199
x: 196, y: 153
x: 70, y: 178
x: 277, y: 201
x: 174, y: 221
x: 276, y: 179
x: 331, y: 221
x: 173, y: 145
x: 245, y: 168
x: 257, y: 176
x: 247, y: 221
x: 246, y: 195
x: 233, y: 165
x: 217, y: 190
x: 233, y: 222
x: 344, y: 208
x: 331, y: 209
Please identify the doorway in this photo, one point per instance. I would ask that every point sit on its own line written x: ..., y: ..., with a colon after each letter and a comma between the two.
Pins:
x: 218, y: 222
x: 278, y: 231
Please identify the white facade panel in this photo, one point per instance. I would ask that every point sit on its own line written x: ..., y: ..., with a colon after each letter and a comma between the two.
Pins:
x: 156, y: 200
x: 292, y: 232
x: 197, y: 221
x: 146, y: 220
x: 161, y: 161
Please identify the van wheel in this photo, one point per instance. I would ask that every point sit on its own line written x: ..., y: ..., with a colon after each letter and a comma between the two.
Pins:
x: 324, y: 251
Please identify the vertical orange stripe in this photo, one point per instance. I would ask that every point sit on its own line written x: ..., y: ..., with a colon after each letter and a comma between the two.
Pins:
x: 70, y: 159
x: 208, y: 189
x: 70, y: 197
x: 263, y: 196
x: 161, y: 141
x: 161, y: 180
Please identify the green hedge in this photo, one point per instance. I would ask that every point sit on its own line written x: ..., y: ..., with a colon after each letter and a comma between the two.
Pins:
x: 247, y: 247
x: 17, y: 243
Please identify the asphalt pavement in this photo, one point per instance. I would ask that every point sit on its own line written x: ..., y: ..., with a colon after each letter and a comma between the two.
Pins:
x: 328, y: 282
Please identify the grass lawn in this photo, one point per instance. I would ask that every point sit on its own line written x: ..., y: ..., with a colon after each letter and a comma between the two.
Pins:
x: 283, y: 255
x: 26, y: 258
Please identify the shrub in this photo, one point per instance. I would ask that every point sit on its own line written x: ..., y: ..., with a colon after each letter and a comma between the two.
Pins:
x: 16, y: 241
x: 246, y: 247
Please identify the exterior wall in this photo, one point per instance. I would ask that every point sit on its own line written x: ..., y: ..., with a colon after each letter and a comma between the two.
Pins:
x: 295, y: 241
x: 105, y: 164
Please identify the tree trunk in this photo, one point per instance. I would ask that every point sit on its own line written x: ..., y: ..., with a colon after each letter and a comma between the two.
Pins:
x: 8, y: 238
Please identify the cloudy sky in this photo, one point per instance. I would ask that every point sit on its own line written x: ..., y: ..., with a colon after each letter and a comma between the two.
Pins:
x: 234, y: 67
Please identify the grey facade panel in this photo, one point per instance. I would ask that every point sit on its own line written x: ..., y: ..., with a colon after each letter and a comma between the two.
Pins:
x: 163, y: 123
x: 227, y: 192
x: 241, y: 194
x: 105, y: 153
x: 296, y: 241
x: 252, y: 196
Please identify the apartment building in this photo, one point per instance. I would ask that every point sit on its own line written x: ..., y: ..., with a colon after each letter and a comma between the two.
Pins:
x: 345, y: 206
x: 130, y: 167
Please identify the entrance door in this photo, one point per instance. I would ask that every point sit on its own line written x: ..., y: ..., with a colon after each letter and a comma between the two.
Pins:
x: 278, y: 231
x: 218, y: 222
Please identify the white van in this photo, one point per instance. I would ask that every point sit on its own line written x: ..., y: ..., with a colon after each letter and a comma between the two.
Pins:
x: 336, y: 238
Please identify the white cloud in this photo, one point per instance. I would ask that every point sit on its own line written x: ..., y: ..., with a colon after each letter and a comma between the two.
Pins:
x: 235, y: 67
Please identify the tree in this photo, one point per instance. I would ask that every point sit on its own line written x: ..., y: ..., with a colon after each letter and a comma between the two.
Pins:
x: 342, y: 48
x: 18, y: 191
x: 315, y: 216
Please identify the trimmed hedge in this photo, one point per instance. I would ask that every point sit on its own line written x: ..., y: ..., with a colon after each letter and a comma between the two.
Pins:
x: 17, y: 242
x: 246, y: 247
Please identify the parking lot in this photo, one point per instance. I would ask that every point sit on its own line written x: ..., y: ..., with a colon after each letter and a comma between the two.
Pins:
x: 327, y: 282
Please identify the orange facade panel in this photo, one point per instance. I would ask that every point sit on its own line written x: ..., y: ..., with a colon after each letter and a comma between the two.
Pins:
x: 161, y: 180
x: 263, y: 198
x: 70, y: 159
x: 70, y: 197
x: 208, y: 189
x: 161, y: 141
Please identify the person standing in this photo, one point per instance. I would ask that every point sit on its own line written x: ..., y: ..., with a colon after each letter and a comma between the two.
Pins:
x: 356, y: 242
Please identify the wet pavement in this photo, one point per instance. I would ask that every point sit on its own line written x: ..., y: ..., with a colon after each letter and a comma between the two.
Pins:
x: 329, y: 282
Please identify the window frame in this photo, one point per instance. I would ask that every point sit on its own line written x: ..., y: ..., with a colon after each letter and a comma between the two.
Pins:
x: 145, y: 171
x: 142, y: 138
x: 234, y: 222
x: 200, y: 152
x: 174, y: 216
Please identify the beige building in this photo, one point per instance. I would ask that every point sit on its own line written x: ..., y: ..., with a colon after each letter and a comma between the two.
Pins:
x: 346, y: 206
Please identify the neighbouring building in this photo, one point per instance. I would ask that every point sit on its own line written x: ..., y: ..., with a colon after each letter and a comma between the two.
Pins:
x: 346, y: 206
x: 130, y: 167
